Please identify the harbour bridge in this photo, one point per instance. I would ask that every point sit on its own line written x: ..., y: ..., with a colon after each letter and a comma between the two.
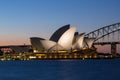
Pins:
x: 107, y: 35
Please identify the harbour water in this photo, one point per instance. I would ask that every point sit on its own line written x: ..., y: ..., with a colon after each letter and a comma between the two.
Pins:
x: 101, y: 69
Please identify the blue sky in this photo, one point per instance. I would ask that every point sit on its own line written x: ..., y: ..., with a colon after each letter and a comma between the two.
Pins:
x: 22, y: 19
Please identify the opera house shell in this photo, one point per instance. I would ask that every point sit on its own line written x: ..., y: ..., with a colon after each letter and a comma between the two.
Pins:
x: 64, y: 39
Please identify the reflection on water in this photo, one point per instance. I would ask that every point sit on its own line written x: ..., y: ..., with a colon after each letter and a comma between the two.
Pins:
x: 60, y: 70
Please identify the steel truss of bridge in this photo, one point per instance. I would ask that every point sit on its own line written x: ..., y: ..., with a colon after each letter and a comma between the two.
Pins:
x: 107, y: 32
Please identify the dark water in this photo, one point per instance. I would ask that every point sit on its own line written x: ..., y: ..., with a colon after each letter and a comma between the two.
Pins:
x: 108, y: 69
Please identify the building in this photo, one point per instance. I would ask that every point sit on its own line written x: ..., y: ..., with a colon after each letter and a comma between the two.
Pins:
x: 65, y: 39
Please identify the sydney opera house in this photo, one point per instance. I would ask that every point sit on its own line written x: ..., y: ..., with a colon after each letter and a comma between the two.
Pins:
x: 65, y: 39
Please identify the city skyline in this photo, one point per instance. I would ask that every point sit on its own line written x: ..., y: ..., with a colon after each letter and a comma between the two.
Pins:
x: 22, y: 19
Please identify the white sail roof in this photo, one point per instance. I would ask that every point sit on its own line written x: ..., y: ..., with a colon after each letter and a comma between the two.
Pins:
x: 79, y: 41
x: 36, y: 44
x: 89, y: 42
x: 47, y: 44
x: 64, y: 38
x: 67, y: 38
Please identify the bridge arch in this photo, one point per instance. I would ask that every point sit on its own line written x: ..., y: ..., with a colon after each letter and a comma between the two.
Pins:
x: 105, y: 31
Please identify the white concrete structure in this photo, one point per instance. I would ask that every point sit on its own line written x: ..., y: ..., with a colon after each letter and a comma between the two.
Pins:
x: 79, y: 41
x: 67, y: 39
x: 36, y: 44
x: 47, y: 44
x: 89, y: 42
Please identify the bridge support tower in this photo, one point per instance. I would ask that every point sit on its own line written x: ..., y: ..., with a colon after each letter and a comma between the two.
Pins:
x: 113, y: 49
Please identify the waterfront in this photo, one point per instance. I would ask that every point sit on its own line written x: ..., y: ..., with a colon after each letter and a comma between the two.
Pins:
x: 101, y: 69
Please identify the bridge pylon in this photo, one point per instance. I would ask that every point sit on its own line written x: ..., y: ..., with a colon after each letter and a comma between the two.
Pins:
x: 113, y: 49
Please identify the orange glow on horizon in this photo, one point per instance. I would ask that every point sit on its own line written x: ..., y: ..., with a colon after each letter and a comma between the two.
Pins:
x: 104, y: 48
x: 14, y: 42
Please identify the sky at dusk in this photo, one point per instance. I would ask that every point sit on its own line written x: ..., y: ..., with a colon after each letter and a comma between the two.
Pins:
x: 22, y: 19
